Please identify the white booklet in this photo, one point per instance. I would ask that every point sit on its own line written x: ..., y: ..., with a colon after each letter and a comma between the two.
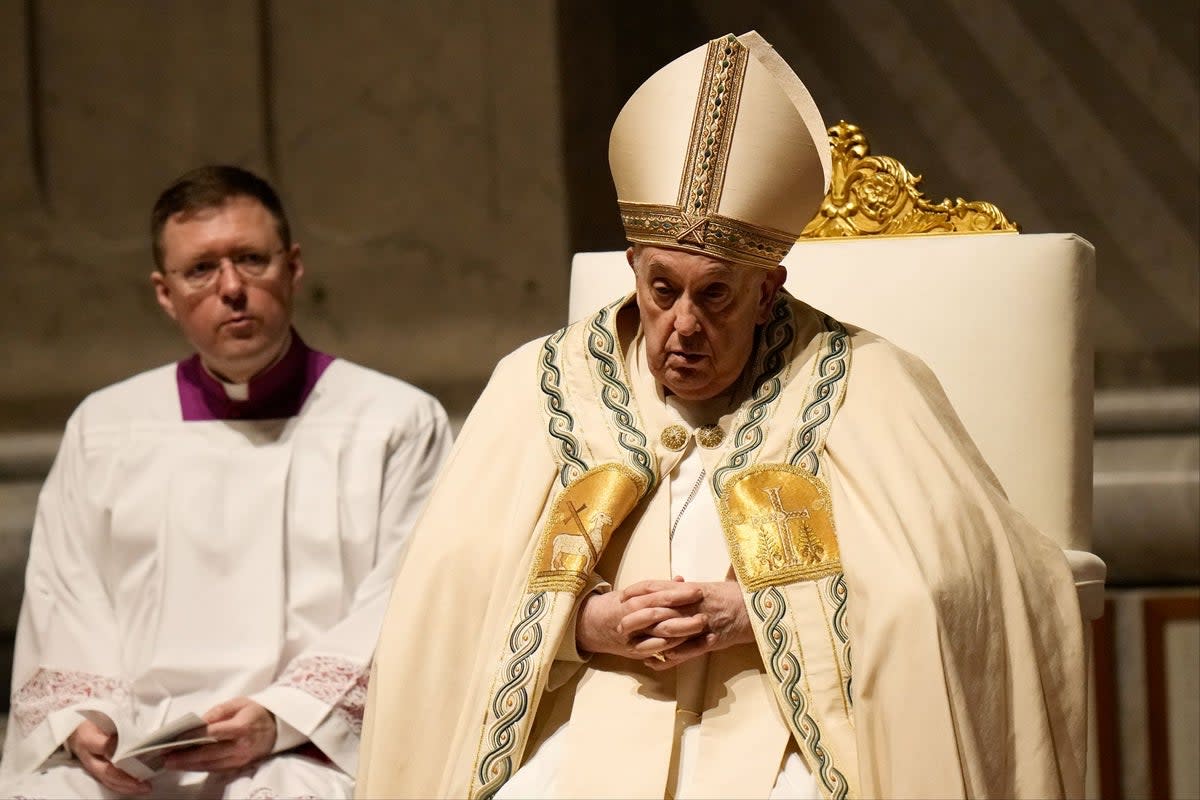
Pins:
x: 142, y: 756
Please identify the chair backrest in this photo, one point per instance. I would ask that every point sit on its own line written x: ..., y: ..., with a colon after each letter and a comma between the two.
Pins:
x: 1003, y: 319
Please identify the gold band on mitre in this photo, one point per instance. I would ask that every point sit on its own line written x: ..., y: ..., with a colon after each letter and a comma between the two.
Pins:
x: 721, y: 152
x: 712, y: 234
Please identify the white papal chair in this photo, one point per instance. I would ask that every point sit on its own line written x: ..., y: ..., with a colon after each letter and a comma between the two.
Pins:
x: 1003, y: 319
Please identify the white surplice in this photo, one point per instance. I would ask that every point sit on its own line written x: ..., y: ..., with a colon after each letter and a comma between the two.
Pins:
x: 175, y: 565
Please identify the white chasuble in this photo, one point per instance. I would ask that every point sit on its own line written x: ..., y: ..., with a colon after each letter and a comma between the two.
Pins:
x: 937, y: 582
x: 704, y: 764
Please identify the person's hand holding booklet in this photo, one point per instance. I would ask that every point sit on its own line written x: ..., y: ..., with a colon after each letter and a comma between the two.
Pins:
x: 142, y: 755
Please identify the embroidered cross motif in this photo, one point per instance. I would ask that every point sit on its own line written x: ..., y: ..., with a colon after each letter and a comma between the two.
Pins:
x: 778, y: 520
x: 583, y: 517
x: 591, y: 537
x: 810, y: 550
x: 566, y: 550
x: 695, y: 230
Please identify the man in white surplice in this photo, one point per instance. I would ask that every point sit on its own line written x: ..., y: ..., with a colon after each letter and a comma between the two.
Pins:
x: 666, y: 527
x: 218, y: 536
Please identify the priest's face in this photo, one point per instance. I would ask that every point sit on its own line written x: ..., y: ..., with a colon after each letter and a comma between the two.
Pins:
x: 699, y: 316
x: 229, y: 282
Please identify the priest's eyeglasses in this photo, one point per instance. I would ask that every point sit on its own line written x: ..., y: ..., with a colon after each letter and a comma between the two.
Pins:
x: 249, y: 264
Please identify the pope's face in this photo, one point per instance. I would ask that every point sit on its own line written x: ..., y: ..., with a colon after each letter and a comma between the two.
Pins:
x: 229, y: 283
x: 699, y: 316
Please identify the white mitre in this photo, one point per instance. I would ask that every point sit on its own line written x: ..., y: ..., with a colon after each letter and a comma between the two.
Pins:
x: 721, y: 152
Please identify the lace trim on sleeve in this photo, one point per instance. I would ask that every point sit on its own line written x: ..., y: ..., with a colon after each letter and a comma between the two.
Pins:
x: 52, y: 690
x: 335, y: 681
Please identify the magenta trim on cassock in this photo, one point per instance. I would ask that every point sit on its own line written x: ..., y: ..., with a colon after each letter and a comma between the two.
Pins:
x: 277, y: 393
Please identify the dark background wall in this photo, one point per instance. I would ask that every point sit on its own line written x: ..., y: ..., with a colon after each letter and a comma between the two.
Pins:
x: 443, y: 159
x: 415, y: 144
x: 1070, y: 115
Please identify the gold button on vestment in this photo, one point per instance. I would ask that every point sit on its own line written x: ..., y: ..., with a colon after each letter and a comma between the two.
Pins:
x: 710, y: 436
x: 674, y: 437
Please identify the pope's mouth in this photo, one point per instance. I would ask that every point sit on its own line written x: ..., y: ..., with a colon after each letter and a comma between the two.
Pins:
x: 680, y: 358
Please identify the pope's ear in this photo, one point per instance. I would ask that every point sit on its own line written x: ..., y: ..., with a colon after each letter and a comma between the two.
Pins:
x: 162, y: 293
x: 629, y: 256
x: 772, y: 282
x: 778, y: 279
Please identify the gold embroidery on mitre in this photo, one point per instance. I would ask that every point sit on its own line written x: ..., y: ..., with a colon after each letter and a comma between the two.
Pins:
x: 712, y: 127
x: 674, y: 437
x: 581, y: 522
x: 695, y: 229
x: 731, y: 239
x: 710, y: 436
x: 693, y: 223
x: 778, y: 521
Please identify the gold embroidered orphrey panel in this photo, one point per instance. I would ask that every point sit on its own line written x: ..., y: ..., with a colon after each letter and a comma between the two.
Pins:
x: 583, y: 518
x: 779, y: 522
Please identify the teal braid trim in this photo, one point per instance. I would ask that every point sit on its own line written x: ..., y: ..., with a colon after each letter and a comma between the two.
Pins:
x: 511, y: 705
x: 561, y: 424
x: 770, y: 606
x: 839, y: 594
x: 831, y: 370
x: 777, y: 337
x: 602, y: 346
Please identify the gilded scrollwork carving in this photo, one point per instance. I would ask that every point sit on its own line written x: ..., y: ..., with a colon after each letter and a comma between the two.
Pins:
x: 877, y: 196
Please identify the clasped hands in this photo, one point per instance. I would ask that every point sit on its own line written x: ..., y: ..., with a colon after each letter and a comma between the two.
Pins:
x: 244, y: 730
x: 664, y: 623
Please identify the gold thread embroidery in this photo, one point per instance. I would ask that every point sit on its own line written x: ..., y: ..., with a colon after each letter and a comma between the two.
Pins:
x: 674, y: 437
x: 710, y: 436
x: 778, y: 521
x: 695, y: 229
x: 579, y: 525
x: 713, y: 122
x: 756, y: 245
